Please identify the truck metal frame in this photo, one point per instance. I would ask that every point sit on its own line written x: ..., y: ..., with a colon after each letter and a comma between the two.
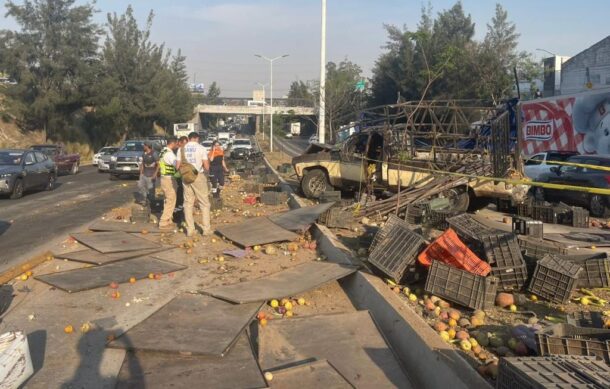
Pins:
x: 406, y: 145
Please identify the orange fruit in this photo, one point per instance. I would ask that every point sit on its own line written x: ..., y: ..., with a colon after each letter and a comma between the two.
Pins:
x: 263, y: 322
x: 151, y: 276
x: 68, y: 329
x: 132, y: 280
x: 260, y: 315
x: 114, y: 285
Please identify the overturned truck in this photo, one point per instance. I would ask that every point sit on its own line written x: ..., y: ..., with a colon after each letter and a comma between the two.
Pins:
x: 423, y: 149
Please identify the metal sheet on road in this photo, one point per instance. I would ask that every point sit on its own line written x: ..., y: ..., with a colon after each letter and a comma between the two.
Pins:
x: 94, y: 277
x: 190, y: 325
x: 285, y: 283
x: 314, y: 375
x: 109, y: 226
x: 114, y: 242
x: 152, y: 370
x: 256, y: 231
x: 97, y: 258
x: 300, y: 219
x: 580, y: 239
x: 350, y: 342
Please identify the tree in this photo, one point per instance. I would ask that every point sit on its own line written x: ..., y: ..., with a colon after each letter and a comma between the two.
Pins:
x: 52, y: 57
x: 298, y: 93
x: 342, y: 99
x: 213, y: 94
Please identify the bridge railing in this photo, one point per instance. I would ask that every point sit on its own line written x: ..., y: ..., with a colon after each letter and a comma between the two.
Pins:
x: 243, y: 101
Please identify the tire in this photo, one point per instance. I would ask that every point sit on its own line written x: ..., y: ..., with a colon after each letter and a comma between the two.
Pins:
x: 51, y: 182
x: 74, y: 169
x: 17, y: 190
x: 598, y: 205
x: 459, y: 199
x: 314, y: 183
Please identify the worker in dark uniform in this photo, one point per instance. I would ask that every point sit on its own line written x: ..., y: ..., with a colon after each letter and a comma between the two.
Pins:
x: 218, y: 168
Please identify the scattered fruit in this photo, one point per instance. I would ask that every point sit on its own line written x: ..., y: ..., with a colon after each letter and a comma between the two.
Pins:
x: 270, y: 250
x: 24, y: 277
x: 534, y: 297
x: 268, y: 376
x: 86, y: 327
x: 396, y: 289
x: 504, y: 300
x: 439, y: 326
x: 263, y: 322
x: 132, y: 280
x: 412, y: 297
x: 288, y: 314
x: 255, y: 248
x: 301, y: 301
x: 29, y: 273
x: 452, y: 323
x: 261, y: 315
x: 288, y: 306
x: 451, y: 333
x: 473, y: 342
x: 475, y: 349
x: 116, y: 294
x: 68, y: 329
x: 465, y: 345
x: 274, y: 303
x: 476, y: 321
x: 512, y: 308
x: 462, y: 335
x: 114, y: 285
x: 158, y: 276
x: 454, y: 314
x: 445, y: 336
x: 151, y: 276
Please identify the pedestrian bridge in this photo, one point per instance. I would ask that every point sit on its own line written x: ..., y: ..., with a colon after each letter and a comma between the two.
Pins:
x: 254, y: 110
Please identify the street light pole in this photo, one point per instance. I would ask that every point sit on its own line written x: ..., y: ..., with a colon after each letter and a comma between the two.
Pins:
x: 271, y: 60
x: 322, y: 112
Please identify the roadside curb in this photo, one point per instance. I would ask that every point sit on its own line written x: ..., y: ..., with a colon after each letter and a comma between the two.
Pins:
x: 431, y: 362
x: 24, y: 266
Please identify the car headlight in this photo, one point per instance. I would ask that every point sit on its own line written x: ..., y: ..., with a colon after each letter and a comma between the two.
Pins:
x: 113, y: 158
x: 6, y: 175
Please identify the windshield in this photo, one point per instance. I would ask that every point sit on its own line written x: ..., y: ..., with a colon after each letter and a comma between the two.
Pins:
x: 239, y: 142
x: 50, y: 151
x: 109, y: 150
x: 8, y: 158
x: 133, y: 146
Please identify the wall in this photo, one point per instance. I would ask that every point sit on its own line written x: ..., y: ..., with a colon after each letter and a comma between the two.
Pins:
x: 574, y: 71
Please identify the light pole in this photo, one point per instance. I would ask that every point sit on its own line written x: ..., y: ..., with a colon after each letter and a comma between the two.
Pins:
x: 322, y: 113
x: 264, y: 103
x: 546, y: 51
x: 271, y: 60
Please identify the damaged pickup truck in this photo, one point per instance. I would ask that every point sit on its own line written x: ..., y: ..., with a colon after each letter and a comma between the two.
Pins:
x: 418, y: 143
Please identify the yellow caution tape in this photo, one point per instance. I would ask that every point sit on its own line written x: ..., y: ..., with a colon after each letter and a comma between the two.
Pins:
x: 583, y: 165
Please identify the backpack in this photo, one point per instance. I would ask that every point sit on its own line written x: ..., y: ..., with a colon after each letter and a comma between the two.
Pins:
x: 187, y: 171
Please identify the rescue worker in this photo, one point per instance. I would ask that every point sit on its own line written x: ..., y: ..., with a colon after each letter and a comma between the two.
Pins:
x: 218, y: 168
x: 195, y: 154
x: 149, y: 169
x: 167, y: 170
x: 179, y: 217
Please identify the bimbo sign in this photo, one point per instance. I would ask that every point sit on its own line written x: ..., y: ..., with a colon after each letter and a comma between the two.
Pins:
x: 539, y: 130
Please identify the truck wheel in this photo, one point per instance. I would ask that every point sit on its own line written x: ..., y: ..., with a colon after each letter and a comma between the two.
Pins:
x: 599, y: 206
x: 17, y: 190
x: 74, y: 168
x: 459, y: 199
x: 314, y: 183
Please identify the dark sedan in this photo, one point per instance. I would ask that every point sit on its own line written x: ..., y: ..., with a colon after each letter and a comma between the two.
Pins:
x: 240, y: 153
x: 599, y: 205
x: 22, y: 170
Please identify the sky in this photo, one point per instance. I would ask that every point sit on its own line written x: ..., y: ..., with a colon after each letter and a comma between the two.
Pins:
x: 220, y: 38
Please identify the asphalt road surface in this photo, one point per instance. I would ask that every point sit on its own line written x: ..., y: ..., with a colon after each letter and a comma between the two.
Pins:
x: 293, y: 147
x: 38, y: 218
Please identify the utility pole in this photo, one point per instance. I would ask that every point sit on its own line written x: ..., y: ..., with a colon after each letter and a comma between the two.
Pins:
x: 322, y: 112
x: 271, y: 60
x: 264, y: 103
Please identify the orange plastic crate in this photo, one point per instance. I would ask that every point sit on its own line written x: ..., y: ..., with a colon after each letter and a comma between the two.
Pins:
x: 449, y: 249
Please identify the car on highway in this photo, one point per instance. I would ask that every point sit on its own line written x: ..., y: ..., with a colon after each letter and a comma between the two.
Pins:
x: 23, y: 170
x: 599, y: 205
x: 103, y: 150
x: 224, y: 143
x: 207, y: 144
x: 539, y: 164
x: 105, y: 157
x: 314, y: 139
x: 242, y: 144
x: 288, y: 135
x: 126, y: 161
x: 66, y: 163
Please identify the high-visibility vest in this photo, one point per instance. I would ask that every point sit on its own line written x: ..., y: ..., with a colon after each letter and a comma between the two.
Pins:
x: 164, y: 168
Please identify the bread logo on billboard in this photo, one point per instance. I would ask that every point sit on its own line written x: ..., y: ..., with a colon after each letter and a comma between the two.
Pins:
x: 539, y: 130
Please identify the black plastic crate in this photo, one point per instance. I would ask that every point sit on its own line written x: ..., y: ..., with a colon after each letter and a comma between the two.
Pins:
x: 567, y: 339
x: 596, y: 269
x: 504, y: 255
x: 331, y: 196
x: 336, y: 218
x: 438, y: 218
x: 274, y: 198
x: 546, y: 213
x: 461, y: 287
x: 527, y: 226
x: 253, y: 188
x: 392, y: 221
x: 269, y: 179
x: 140, y: 214
x: 586, y: 319
x: 524, y: 209
x: 469, y: 229
x: 503, y: 205
x: 539, y: 248
x: 415, y: 212
x: 398, y: 249
x: 558, y: 371
x: 580, y: 217
x: 554, y: 279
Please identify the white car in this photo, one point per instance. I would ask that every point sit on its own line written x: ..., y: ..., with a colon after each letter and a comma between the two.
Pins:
x: 288, y: 135
x: 242, y: 144
x: 541, y: 163
x: 103, y: 151
x: 314, y: 139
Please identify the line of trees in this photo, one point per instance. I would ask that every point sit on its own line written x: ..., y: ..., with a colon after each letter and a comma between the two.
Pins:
x: 440, y: 59
x: 80, y: 81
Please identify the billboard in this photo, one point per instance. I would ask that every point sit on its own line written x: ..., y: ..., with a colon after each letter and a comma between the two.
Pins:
x: 258, y: 95
x: 579, y: 122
